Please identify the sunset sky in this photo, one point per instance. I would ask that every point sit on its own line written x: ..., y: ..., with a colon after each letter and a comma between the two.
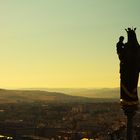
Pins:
x: 63, y: 43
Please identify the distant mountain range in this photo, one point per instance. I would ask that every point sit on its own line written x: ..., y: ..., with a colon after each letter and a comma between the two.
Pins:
x: 17, y: 96
x: 104, y: 93
x: 60, y: 95
x: 109, y: 93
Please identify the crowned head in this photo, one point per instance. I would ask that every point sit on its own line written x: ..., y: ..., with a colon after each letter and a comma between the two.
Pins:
x: 131, y: 34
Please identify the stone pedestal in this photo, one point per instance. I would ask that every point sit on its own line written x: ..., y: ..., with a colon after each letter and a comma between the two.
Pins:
x: 130, y: 111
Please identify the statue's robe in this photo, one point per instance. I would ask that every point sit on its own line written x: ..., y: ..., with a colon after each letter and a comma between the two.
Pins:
x: 129, y: 74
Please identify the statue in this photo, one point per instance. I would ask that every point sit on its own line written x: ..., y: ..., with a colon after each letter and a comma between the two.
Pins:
x: 129, y: 56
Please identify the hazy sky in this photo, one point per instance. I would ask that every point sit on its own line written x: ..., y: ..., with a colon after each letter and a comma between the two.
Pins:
x: 63, y: 43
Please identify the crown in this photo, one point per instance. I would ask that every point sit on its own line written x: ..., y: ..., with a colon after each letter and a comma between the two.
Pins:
x: 130, y: 29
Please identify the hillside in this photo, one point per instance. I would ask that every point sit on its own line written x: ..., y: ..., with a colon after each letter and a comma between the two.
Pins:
x: 103, y: 93
x: 60, y: 95
x: 14, y: 96
x: 109, y: 93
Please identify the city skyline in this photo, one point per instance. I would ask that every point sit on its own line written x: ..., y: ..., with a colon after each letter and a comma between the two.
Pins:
x: 63, y: 44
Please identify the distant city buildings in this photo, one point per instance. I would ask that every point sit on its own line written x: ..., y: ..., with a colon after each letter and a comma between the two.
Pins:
x: 63, y: 121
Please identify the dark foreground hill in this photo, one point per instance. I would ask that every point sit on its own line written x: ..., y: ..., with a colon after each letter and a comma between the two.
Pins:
x: 15, y: 96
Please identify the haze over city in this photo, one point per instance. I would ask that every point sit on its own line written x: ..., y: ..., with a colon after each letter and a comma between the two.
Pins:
x: 69, y: 44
